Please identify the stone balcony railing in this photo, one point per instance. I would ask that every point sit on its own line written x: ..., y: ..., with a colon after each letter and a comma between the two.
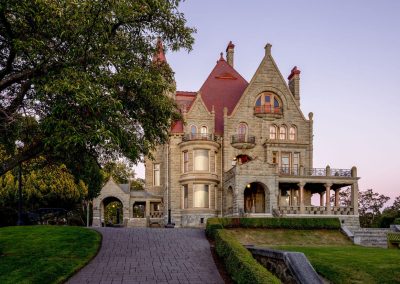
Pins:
x: 266, y: 111
x: 315, y: 172
x: 156, y: 214
x: 199, y: 136
x: 243, y: 141
x: 317, y: 210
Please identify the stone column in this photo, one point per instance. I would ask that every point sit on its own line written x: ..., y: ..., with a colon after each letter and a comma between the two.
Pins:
x: 301, y: 189
x: 337, y: 197
x: 354, y: 197
x: 321, y: 199
x: 147, y: 211
x: 328, y: 197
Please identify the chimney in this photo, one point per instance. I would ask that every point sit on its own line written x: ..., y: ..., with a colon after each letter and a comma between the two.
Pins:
x: 159, y: 56
x: 229, y: 53
x: 294, y: 83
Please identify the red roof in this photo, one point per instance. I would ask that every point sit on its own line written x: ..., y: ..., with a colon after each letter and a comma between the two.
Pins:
x: 223, y: 88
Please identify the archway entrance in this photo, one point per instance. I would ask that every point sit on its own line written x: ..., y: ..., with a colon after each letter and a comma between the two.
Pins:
x: 254, y: 198
x: 113, y: 212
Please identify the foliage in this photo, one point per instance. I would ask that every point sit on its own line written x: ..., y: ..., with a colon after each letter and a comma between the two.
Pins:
x: 43, y: 185
x: 344, y: 197
x: 45, y: 254
x: 120, y: 172
x: 370, y: 206
x: 239, y: 262
x: 78, y: 83
x: 113, y: 213
x: 137, y: 184
x: 214, y: 224
x: 393, y: 239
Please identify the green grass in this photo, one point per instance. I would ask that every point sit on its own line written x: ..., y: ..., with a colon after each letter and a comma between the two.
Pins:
x: 332, y: 256
x: 44, y: 254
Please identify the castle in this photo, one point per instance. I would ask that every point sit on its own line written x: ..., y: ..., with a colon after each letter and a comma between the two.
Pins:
x: 242, y: 149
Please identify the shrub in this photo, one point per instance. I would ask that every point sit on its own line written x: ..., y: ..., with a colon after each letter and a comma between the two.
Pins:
x: 397, y: 221
x: 239, y: 262
x: 213, y: 224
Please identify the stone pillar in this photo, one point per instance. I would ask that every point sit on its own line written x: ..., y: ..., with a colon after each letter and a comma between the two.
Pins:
x: 301, y: 189
x: 147, y: 211
x: 354, y: 197
x: 321, y: 199
x: 337, y: 197
x: 328, y: 197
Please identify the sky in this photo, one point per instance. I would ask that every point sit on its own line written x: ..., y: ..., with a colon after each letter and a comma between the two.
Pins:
x: 348, y: 54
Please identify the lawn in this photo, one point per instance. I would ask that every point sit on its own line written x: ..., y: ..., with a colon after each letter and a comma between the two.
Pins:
x: 331, y: 254
x: 44, y: 254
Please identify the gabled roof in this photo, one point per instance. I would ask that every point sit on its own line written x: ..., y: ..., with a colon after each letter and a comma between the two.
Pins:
x: 223, y: 88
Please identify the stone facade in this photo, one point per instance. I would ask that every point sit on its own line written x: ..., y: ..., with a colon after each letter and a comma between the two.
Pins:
x: 244, y: 148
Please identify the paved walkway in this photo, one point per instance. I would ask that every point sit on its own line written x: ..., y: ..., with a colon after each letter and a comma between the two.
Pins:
x: 151, y: 255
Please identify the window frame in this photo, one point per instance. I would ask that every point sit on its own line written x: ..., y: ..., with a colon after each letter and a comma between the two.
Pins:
x: 208, y: 160
x: 283, y: 132
x: 206, y: 185
x: 273, y: 135
x: 156, y: 178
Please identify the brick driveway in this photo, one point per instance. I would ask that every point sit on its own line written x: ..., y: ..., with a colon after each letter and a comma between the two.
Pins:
x: 151, y: 255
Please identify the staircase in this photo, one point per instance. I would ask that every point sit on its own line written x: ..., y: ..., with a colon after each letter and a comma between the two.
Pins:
x: 371, y: 237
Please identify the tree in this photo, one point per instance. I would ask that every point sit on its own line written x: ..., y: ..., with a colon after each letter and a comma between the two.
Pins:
x: 344, y: 197
x: 370, y: 206
x: 78, y: 83
x: 120, y: 172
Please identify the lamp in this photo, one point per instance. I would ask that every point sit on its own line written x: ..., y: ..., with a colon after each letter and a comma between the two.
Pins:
x: 19, y: 145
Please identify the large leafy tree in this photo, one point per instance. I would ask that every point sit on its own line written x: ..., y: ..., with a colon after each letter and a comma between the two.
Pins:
x: 370, y: 205
x: 78, y: 83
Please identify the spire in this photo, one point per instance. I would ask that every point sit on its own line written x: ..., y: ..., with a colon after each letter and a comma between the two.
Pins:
x: 159, y: 56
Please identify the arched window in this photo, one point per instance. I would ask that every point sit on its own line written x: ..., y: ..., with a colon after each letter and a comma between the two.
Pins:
x: 242, y: 131
x: 292, y: 133
x: 282, y: 132
x: 272, y: 132
x: 268, y: 103
x: 193, y: 131
x: 203, y: 132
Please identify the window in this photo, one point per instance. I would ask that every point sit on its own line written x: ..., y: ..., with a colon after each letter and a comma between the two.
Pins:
x: 203, y: 132
x: 285, y: 163
x: 242, y: 131
x: 201, y: 160
x: 282, y: 132
x: 156, y: 174
x: 295, y: 163
x: 268, y: 103
x: 292, y: 133
x: 185, y: 197
x: 193, y: 131
x: 274, y: 157
x: 272, y: 132
x: 139, y: 209
x: 185, y: 161
x: 201, y: 195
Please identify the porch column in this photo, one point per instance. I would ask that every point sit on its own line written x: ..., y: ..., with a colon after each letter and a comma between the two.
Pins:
x: 301, y: 189
x: 354, y: 197
x: 321, y: 199
x: 328, y: 197
x: 147, y: 210
x: 337, y: 197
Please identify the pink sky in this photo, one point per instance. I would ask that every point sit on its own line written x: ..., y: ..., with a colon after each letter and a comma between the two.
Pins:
x: 348, y: 54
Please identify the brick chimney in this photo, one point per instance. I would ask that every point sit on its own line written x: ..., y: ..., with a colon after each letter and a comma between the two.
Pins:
x: 229, y: 53
x: 294, y: 83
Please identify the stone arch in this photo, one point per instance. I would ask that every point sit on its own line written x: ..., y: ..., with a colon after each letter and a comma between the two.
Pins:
x: 256, y: 198
x: 109, y: 200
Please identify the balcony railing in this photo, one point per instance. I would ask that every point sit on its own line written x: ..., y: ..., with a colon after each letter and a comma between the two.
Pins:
x: 295, y: 171
x: 242, y: 141
x: 267, y: 109
x: 199, y: 136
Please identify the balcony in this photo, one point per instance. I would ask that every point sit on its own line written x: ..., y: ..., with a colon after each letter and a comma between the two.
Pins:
x: 199, y: 136
x: 268, y: 111
x: 241, y: 141
x: 314, y: 172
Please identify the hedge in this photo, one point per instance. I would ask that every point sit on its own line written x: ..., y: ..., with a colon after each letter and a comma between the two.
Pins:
x: 239, y: 262
x: 213, y: 224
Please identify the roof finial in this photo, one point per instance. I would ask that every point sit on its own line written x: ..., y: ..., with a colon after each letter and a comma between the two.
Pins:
x: 221, y: 56
x: 268, y: 49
